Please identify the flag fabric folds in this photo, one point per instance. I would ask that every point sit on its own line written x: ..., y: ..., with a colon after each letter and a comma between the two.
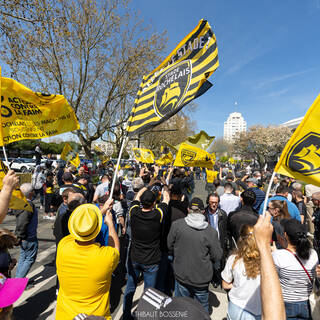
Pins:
x: 200, y: 140
x: 70, y: 155
x: 300, y: 158
x: 102, y: 156
x: 189, y: 156
x: 179, y: 79
x: 165, y: 159
x: 143, y: 155
x: 32, y: 115
x: 17, y: 201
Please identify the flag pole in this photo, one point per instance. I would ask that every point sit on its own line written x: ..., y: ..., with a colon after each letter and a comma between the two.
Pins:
x: 267, y: 194
x: 117, y: 166
x: 5, y: 156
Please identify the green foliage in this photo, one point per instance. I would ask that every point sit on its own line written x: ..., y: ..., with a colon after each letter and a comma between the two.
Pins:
x: 224, y: 159
x: 46, y: 147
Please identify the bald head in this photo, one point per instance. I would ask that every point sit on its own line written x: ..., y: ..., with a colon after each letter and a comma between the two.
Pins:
x: 75, y: 200
x: 316, y: 199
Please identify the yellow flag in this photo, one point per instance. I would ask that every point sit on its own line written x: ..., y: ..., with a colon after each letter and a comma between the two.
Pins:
x: 211, y: 175
x: 102, y: 156
x: 301, y: 156
x: 143, y: 155
x: 69, y: 155
x: 165, y: 159
x: 189, y: 156
x: 32, y: 115
x: 179, y: 79
x: 17, y: 201
x: 231, y: 160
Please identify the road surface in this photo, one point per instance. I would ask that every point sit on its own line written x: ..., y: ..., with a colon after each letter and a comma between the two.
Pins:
x: 39, y: 300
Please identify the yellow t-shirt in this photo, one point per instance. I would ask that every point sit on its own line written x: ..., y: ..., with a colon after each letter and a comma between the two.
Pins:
x: 84, y: 274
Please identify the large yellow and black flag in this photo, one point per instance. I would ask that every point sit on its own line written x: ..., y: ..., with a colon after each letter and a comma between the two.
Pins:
x: 179, y: 79
x: 190, y: 156
x: 301, y: 156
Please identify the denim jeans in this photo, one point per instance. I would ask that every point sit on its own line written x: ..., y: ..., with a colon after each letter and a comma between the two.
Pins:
x: 202, y: 295
x: 41, y: 192
x: 237, y: 313
x: 165, y: 279
x: 297, y: 310
x: 28, y: 255
x: 134, y: 270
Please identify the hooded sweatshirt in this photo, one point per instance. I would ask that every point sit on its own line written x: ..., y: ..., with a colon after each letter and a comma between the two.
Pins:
x: 195, y: 246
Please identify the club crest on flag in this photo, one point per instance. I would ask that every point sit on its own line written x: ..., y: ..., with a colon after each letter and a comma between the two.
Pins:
x: 172, y: 87
x: 304, y: 156
x: 187, y: 156
x: 137, y: 153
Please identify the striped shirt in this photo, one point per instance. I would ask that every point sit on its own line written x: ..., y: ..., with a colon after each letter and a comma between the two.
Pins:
x: 294, y: 281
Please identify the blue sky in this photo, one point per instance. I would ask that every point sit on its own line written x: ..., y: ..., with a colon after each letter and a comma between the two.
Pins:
x: 269, y: 53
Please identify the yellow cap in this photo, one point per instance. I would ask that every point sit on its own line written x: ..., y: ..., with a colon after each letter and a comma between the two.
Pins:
x: 85, y: 222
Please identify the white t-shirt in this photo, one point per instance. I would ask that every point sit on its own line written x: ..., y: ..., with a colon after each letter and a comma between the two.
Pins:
x: 294, y: 281
x: 101, y: 189
x: 229, y: 202
x: 245, y: 292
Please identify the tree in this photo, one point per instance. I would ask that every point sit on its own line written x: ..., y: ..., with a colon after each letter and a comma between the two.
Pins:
x: 222, y: 148
x: 28, y: 146
x: 93, y: 52
x: 262, y: 143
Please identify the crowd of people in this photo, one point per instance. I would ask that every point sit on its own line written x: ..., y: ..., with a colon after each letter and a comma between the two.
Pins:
x: 154, y: 228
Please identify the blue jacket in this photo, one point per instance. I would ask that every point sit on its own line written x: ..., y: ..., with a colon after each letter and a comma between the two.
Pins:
x: 260, y: 196
x: 292, y: 208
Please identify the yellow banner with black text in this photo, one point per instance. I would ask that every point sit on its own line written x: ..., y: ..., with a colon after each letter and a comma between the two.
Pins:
x: 32, y: 115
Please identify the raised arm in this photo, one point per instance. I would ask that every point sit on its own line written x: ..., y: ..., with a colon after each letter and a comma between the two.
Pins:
x: 10, y: 182
x: 272, y: 304
x: 113, y: 240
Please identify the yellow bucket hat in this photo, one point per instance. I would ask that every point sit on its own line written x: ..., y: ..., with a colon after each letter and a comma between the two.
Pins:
x: 85, y: 222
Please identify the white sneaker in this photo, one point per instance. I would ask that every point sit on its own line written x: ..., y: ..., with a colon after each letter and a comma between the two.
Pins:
x: 52, y: 218
x: 46, y: 217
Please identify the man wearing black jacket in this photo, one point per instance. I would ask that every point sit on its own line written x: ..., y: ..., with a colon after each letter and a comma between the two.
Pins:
x: 217, y: 219
x: 26, y: 232
x: 245, y: 215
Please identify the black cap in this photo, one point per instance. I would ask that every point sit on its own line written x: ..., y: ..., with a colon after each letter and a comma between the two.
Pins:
x: 196, y: 204
x: 147, y: 198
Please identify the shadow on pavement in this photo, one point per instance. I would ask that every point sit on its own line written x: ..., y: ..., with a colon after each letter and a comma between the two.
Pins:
x: 41, y: 300
x: 46, y: 240
x: 213, y: 302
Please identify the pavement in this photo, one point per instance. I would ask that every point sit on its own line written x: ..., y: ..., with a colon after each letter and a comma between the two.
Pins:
x: 39, y: 299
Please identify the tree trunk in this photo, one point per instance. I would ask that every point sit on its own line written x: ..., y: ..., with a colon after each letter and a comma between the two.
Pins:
x: 86, y: 144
